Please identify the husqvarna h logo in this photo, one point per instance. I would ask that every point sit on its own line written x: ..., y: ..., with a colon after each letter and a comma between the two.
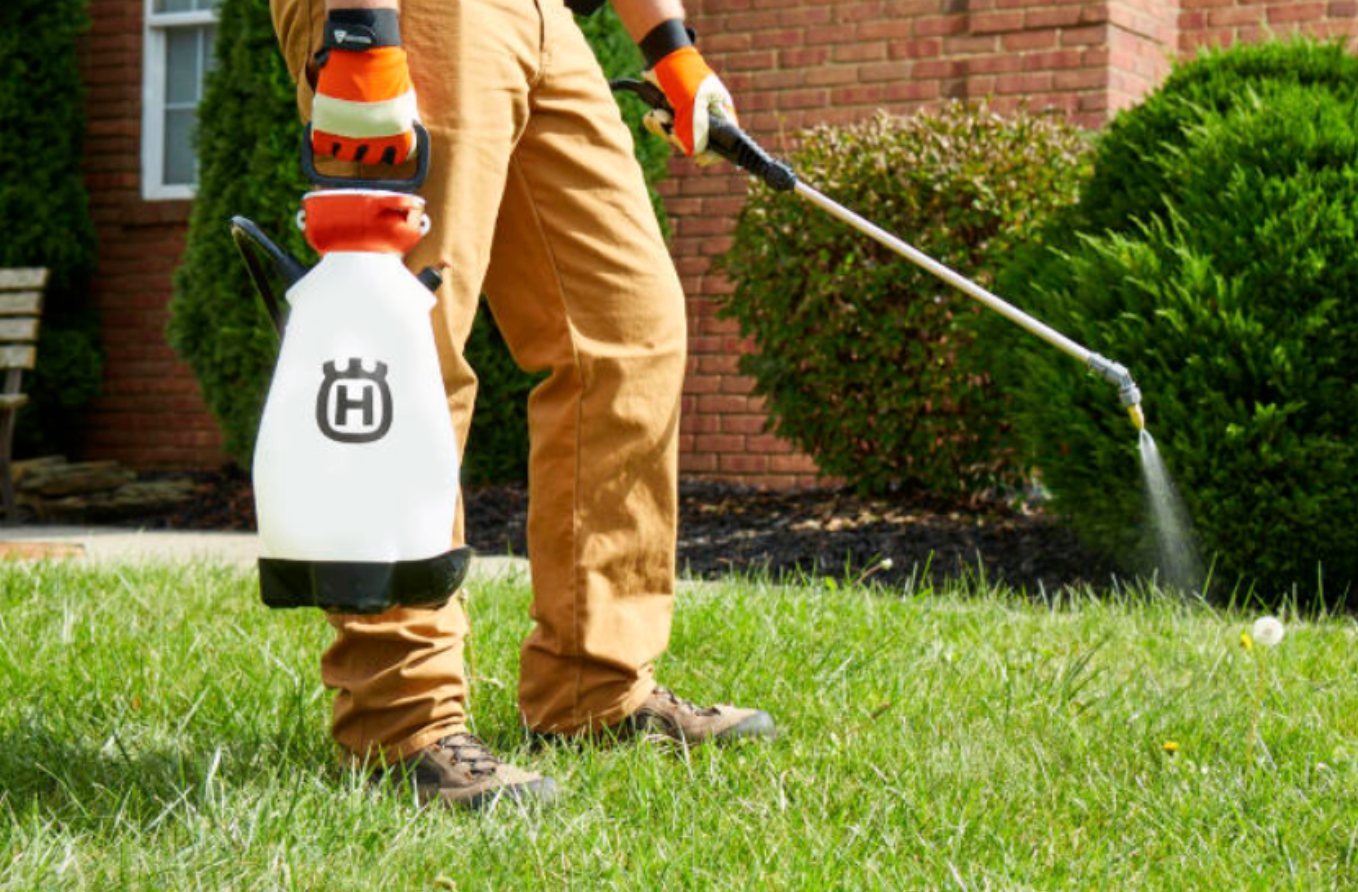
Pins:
x: 354, y: 406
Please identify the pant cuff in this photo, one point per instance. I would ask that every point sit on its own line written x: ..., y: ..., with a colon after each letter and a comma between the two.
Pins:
x: 378, y: 754
x: 614, y: 715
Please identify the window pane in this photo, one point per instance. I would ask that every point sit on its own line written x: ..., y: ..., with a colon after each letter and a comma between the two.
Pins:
x: 173, y: 6
x: 181, y: 167
x: 209, y: 4
x: 181, y: 65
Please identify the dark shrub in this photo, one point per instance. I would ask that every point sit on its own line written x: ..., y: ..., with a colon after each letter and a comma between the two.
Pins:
x: 46, y: 211
x: 1237, y: 311
x: 869, y: 364
x: 247, y: 164
x: 1128, y: 179
x: 217, y: 324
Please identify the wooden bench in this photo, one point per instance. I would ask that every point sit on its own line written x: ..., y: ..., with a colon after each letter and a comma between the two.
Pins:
x: 20, y: 310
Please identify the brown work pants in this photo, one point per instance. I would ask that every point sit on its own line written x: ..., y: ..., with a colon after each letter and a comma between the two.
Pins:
x: 536, y: 199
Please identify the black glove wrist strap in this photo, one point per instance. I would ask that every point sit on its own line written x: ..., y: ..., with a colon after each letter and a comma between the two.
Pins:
x: 361, y: 29
x: 665, y: 38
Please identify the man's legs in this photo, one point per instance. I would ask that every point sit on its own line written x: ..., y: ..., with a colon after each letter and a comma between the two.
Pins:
x: 582, y: 285
x: 399, y: 676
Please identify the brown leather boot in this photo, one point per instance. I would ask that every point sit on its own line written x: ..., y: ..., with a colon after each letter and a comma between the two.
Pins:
x: 667, y: 715
x: 460, y: 770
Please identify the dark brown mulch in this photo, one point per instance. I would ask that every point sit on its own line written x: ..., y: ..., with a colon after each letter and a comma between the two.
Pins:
x: 725, y: 528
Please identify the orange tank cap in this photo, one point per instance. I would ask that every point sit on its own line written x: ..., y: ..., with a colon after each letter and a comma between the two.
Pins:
x: 362, y: 220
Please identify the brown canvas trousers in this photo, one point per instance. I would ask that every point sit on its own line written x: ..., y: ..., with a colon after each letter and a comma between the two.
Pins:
x: 536, y: 200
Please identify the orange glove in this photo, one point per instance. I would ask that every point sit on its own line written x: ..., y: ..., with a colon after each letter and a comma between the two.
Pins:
x: 692, y: 88
x: 365, y: 107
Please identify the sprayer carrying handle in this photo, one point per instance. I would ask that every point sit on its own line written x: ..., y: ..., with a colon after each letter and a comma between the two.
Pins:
x: 407, y: 185
x: 723, y: 138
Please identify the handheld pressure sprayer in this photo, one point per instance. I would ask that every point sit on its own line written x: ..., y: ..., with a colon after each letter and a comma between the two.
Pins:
x: 356, y: 461
x: 736, y: 146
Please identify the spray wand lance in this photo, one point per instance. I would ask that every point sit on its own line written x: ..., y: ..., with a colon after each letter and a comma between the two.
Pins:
x: 736, y: 146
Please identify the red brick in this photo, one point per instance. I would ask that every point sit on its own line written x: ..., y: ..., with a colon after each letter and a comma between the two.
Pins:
x: 743, y: 424
x: 793, y: 464
x: 889, y: 30
x: 938, y: 26
x: 719, y: 443
x: 1297, y: 12
x: 1090, y: 34
x: 1029, y: 40
x: 767, y: 443
x: 743, y: 463
x: 1052, y: 17
x: 915, y: 49
x: 992, y: 22
x: 696, y: 463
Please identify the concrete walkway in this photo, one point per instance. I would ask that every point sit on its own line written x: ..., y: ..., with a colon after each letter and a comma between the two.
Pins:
x: 112, y: 545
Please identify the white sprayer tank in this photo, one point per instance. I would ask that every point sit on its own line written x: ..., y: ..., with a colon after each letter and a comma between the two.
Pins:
x: 356, y: 459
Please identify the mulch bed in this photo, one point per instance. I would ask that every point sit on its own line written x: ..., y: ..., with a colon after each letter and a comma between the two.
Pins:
x: 725, y: 528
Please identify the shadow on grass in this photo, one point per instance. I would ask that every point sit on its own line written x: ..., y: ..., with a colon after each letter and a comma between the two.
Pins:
x: 140, y: 779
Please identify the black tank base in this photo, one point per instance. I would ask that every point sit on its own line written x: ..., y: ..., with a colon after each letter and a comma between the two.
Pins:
x: 360, y: 586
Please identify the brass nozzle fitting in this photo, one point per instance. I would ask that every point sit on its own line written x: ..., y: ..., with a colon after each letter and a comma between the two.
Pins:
x: 1128, y: 393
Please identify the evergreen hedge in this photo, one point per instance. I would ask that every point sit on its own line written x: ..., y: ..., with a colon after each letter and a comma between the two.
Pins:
x: 247, y: 144
x: 1231, y: 292
x: 869, y: 364
x: 45, y: 210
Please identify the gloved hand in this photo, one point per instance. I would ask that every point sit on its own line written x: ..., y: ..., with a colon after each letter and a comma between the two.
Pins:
x: 696, y: 93
x: 365, y: 107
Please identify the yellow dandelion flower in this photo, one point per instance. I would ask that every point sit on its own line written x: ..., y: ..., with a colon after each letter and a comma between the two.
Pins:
x: 1171, y: 746
x: 1246, y: 641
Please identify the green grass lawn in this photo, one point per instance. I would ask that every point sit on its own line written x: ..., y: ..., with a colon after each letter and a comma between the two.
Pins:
x: 162, y: 730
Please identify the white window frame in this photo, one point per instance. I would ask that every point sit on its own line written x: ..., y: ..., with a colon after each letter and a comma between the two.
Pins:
x: 153, y: 185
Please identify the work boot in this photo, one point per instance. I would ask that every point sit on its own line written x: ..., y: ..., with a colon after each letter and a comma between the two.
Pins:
x: 666, y: 715
x: 460, y: 770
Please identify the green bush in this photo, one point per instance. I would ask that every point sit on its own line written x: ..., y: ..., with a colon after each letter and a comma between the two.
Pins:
x: 1129, y: 179
x: 1234, y: 302
x: 247, y: 164
x: 219, y: 327
x: 868, y: 364
x: 46, y: 211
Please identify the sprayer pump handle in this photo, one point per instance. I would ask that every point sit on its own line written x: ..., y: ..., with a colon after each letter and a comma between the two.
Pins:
x: 407, y: 185
x: 723, y: 137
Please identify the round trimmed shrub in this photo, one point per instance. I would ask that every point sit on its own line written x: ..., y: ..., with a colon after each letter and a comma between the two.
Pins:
x: 869, y: 364
x: 46, y: 212
x: 1129, y: 179
x: 217, y: 323
x: 1233, y: 299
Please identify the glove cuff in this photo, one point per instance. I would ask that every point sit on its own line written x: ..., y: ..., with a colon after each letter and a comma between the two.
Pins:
x: 361, y: 29
x: 665, y: 38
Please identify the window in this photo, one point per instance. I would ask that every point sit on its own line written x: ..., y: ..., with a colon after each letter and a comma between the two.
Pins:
x: 178, y: 53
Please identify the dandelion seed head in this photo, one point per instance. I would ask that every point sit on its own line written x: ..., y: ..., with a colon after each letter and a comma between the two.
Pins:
x: 1268, y: 631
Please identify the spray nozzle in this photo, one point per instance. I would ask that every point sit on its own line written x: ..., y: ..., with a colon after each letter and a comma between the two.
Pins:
x: 1128, y: 393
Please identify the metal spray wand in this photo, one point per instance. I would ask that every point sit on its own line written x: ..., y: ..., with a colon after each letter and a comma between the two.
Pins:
x: 733, y: 144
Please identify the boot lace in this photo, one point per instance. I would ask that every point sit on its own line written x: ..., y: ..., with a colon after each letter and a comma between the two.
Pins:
x: 469, y: 750
x: 687, y: 705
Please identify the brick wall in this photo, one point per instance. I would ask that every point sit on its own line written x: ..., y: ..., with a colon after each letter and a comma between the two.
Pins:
x: 150, y: 414
x: 790, y: 63
x: 1225, y: 22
